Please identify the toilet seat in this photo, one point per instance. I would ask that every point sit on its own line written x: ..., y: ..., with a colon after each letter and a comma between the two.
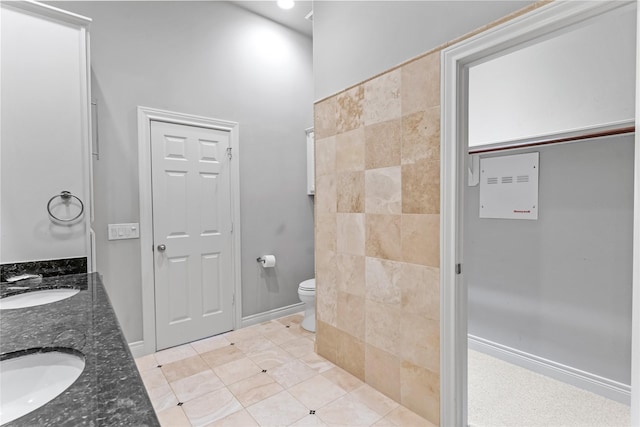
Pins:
x: 308, y: 285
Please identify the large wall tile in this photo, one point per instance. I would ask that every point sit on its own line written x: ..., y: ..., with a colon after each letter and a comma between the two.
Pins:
x: 325, y: 269
x: 421, y: 84
x: 350, y: 273
x: 351, y: 314
x: 324, y: 120
x: 382, y: 98
x: 420, y: 289
x: 351, y: 355
x: 421, y: 187
x: 327, y: 304
x: 421, y: 391
x: 383, y: 280
x: 351, y: 233
x: 420, y: 341
x: 421, y: 136
x: 325, y: 156
x: 325, y: 254
x: 383, y: 190
x: 383, y: 236
x: 326, y: 341
x: 349, y: 109
x: 351, y: 193
x: 382, y: 326
x: 383, y: 144
x: 350, y: 151
x: 382, y: 371
x: 326, y: 198
x: 421, y: 239
x: 326, y: 231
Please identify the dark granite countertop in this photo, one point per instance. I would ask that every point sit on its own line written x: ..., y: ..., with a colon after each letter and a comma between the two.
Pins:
x: 109, y: 392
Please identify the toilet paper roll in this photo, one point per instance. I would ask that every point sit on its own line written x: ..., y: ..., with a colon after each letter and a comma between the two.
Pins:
x: 268, y: 261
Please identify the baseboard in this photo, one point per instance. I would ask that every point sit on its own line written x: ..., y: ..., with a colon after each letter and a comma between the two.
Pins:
x: 585, y: 380
x: 137, y: 349
x: 276, y: 313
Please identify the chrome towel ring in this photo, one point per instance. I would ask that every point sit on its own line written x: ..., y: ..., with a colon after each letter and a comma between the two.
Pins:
x: 66, y: 197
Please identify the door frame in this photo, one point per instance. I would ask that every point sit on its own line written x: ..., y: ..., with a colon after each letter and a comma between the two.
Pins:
x: 145, y: 116
x: 455, y: 61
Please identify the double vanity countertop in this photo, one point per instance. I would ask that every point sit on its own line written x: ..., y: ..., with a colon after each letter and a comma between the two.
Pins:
x: 109, y: 392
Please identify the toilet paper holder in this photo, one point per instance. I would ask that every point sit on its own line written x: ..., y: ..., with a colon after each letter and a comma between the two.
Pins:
x: 267, y: 261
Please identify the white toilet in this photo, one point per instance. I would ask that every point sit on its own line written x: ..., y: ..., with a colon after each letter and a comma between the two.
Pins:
x: 307, y: 294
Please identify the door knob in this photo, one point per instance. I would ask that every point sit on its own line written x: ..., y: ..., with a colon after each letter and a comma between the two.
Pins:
x: 162, y: 248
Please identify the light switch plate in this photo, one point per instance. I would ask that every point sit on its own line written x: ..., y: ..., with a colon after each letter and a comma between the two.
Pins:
x: 124, y: 231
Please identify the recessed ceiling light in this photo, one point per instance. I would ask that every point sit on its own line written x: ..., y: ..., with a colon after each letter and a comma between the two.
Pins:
x: 286, y: 4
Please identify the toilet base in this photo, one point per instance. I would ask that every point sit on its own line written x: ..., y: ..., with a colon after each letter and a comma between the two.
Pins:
x: 309, y: 322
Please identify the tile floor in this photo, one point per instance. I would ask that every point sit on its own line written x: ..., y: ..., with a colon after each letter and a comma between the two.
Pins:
x: 263, y: 375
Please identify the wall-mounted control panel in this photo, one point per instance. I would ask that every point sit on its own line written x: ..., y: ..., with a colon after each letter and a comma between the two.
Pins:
x: 124, y: 231
x: 509, y: 186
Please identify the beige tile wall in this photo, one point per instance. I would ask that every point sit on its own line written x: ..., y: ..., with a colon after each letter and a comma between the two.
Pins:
x: 377, y: 232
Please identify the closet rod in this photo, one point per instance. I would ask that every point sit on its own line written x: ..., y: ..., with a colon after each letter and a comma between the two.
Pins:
x: 609, y: 132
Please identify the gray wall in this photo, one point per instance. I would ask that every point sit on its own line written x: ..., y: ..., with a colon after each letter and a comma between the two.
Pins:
x: 217, y: 60
x: 355, y: 40
x: 560, y: 287
x: 576, y: 79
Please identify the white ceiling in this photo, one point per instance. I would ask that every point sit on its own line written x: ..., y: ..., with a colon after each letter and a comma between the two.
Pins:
x: 292, y: 18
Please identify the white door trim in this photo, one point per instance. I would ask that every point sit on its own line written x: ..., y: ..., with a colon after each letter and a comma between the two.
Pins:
x: 145, y: 116
x: 454, y: 95
x: 635, y: 322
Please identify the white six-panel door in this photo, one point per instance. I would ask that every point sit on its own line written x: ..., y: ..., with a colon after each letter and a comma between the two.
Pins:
x: 192, y: 227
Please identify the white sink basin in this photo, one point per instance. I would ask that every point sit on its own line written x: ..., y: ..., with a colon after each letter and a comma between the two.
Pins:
x: 30, y: 299
x: 28, y: 382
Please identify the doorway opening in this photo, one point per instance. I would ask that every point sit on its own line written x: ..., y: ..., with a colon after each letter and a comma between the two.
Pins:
x: 189, y: 227
x: 540, y: 24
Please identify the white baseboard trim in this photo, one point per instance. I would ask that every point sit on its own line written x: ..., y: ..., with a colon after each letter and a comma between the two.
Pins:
x: 276, y: 313
x: 137, y: 349
x: 603, y: 386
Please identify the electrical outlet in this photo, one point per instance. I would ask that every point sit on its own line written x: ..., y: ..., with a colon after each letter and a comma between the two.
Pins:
x: 124, y: 231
